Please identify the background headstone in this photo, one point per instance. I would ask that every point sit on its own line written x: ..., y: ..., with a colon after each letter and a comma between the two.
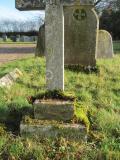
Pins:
x: 9, y: 78
x: 81, y: 24
x: 40, y: 48
x: 105, y: 45
x: 4, y: 36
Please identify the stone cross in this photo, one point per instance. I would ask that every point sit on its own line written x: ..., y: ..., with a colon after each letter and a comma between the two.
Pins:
x: 54, y: 33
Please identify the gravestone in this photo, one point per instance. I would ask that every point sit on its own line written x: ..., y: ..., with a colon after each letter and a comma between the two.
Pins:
x: 81, y: 24
x: 105, y: 45
x: 4, y: 36
x: 10, y: 78
x: 54, y: 50
x: 40, y: 48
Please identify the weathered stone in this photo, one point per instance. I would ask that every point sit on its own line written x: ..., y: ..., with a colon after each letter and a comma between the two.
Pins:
x: 30, y: 4
x: 54, y: 110
x: 40, y: 4
x: 54, y: 31
x: 81, y: 24
x: 71, y: 131
x: 78, y: 2
x: 105, y: 45
x: 9, y: 78
x: 40, y: 48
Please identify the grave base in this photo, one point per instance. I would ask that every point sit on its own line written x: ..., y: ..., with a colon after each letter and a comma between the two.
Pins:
x: 53, y: 130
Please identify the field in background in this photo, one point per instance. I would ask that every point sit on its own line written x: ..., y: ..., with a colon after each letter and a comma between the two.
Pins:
x: 12, y: 51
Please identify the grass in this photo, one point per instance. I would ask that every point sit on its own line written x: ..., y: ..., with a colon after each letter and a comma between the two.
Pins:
x: 116, y: 46
x: 99, y: 101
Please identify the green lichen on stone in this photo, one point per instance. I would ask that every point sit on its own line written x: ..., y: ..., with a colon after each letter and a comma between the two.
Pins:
x: 30, y: 121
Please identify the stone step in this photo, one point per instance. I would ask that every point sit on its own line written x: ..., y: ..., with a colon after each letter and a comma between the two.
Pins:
x: 53, y: 130
x: 54, y: 110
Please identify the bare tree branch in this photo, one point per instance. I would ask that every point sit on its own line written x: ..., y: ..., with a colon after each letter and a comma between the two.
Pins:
x: 98, y: 1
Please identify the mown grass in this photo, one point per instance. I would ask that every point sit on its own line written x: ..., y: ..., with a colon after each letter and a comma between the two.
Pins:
x: 99, y: 99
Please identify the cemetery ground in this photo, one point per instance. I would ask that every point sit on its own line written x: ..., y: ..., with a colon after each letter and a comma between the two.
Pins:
x: 99, y: 96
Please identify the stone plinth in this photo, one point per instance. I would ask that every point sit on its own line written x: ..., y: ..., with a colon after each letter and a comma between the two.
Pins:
x: 105, y: 45
x: 54, y: 110
x: 71, y: 131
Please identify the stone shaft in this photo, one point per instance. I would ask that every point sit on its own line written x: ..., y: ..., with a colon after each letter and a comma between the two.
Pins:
x: 54, y: 40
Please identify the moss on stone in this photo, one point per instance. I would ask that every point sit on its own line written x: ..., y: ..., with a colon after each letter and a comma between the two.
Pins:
x: 55, y: 94
x: 81, y: 115
x: 30, y: 121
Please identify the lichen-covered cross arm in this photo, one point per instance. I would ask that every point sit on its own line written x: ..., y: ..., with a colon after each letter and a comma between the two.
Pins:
x: 25, y: 5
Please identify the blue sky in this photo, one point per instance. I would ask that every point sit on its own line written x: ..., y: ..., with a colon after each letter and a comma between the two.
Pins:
x: 7, y: 10
x: 7, y: 3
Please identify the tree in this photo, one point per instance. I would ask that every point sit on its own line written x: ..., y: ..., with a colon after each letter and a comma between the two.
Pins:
x: 114, y: 4
x: 110, y: 18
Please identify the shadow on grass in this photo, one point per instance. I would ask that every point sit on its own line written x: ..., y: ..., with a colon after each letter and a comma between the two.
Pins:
x: 12, y: 116
x: 79, y: 68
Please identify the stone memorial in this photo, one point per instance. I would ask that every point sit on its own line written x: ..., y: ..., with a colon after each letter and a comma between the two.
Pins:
x: 77, y: 12
x: 40, y: 48
x: 81, y: 25
x: 105, y: 45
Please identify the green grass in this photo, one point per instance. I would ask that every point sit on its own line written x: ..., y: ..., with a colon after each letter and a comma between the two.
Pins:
x: 99, y: 101
x: 116, y: 46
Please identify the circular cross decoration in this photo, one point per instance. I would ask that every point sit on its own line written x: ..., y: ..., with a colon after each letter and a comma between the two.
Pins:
x: 80, y: 14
